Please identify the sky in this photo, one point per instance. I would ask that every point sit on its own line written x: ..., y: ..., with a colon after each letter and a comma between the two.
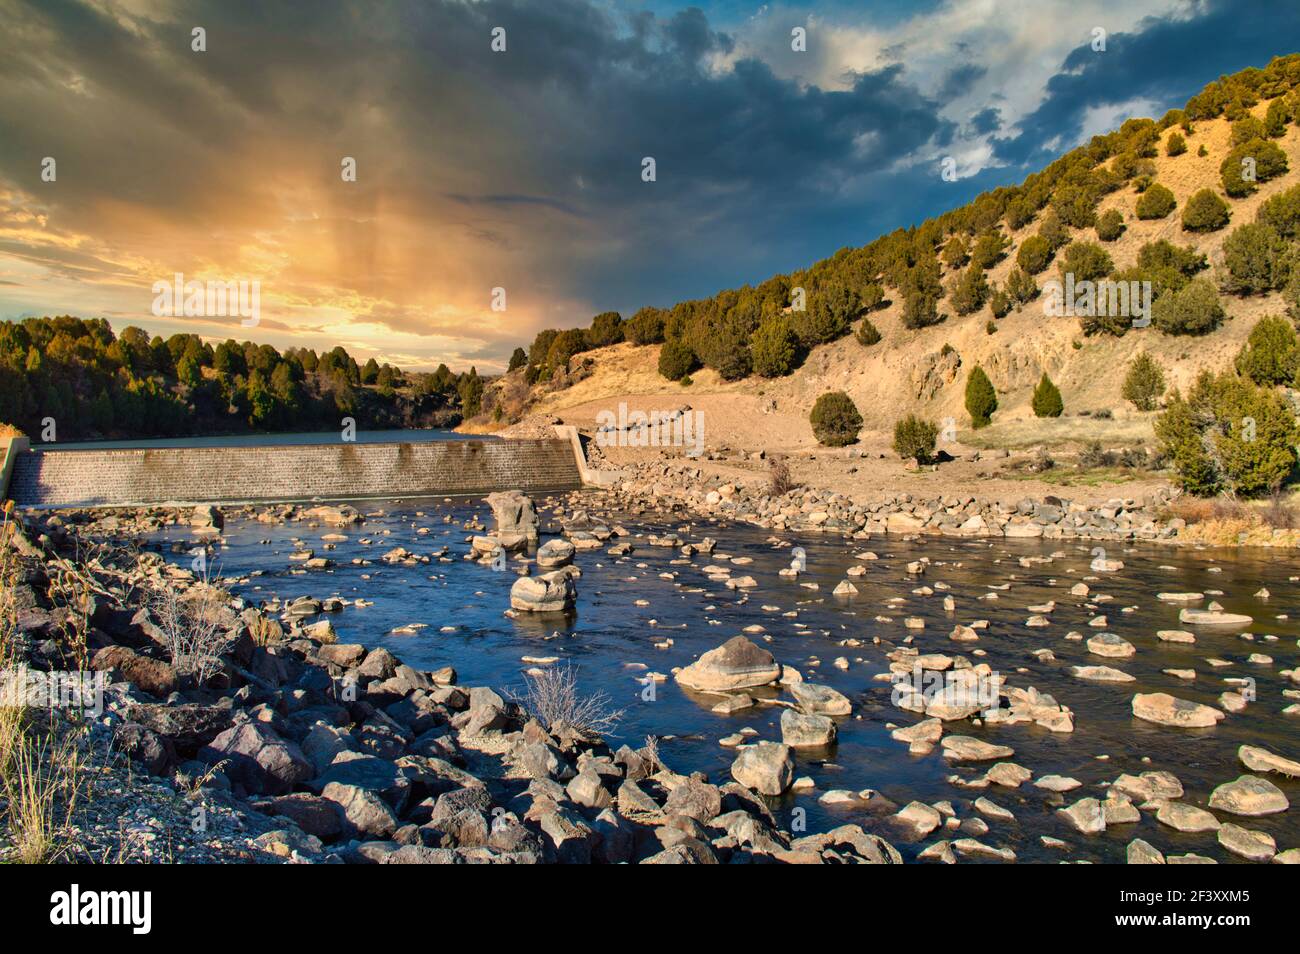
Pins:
x: 499, y: 192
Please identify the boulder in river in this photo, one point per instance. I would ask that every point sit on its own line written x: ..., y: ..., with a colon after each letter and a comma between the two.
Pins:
x: 766, y: 767
x: 1164, y: 709
x: 555, y: 553
x: 552, y: 592
x: 736, y: 664
x: 1249, y: 795
x: 515, y: 515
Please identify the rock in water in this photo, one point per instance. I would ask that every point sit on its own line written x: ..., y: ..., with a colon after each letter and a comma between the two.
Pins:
x: 766, y: 767
x: 555, y: 553
x: 515, y: 515
x: 806, y: 731
x: 736, y: 664
x: 1164, y: 709
x: 1249, y: 795
x: 552, y: 592
x: 205, y: 516
x: 820, y: 700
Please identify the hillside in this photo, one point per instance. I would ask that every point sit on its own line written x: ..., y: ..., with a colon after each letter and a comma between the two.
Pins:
x: 924, y: 370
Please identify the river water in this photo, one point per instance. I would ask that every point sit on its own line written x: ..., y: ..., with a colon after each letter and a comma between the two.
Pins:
x: 626, y: 605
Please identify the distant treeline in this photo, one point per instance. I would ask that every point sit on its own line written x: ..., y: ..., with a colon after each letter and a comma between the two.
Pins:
x: 94, y: 384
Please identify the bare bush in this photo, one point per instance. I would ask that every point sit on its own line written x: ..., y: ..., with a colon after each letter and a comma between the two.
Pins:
x: 195, y: 625
x: 552, y: 698
x: 779, y: 480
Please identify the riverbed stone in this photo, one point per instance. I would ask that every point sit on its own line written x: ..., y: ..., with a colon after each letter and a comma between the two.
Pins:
x: 963, y: 748
x: 555, y: 553
x: 820, y: 700
x: 765, y: 767
x: 1184, y: 817
x: 258, y: 759
x: 800, y: 730
x: 1164, y: 709
x: 552, y: 592
x: 1249, y: 795
x: 736, y: 664
x: 1262, y: 760
x: 1248, y: 843
x: 1086, y: 816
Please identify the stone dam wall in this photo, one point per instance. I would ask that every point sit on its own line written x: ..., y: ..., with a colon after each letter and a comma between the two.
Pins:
x: 343, y: 471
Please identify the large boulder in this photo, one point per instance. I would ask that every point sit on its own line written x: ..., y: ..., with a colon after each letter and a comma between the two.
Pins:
x: 206, y: 516
x: 153, y: 676
x: 1164, y: 709
x: 736, y: 664
x: 1249, y: 795
x: 258, y: 759
x: 365, y: 814
x: 820, y: 700
x: 555, y: 553
x: 515, y: 515
x: 802, y: 731
x: 765, y: 767
x: 552, y: 592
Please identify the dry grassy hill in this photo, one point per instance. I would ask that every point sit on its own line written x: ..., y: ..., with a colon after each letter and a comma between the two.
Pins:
x: 909, y: 370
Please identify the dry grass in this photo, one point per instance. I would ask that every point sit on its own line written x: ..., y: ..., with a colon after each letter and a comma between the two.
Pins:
x: 552, y: 698
x: 194, y: 625
x: 1222, y: 521
x: 40, y: 765
x: 1060, y: 432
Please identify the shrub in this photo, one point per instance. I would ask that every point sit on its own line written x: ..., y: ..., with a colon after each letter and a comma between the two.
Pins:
x: 1046, y: 401
x: 1110, y: 225
x: 835, y: 419
x: 1053, y: 229
x: 1144, y: 384
x: 955, y: 252
x: 552, y: 698
x: 1021, y: 287
x: 969, y: 291
x: 867, y: 334
x: 1247, y: 130
x: 1278, y: 115
x: 981, y: 399
x: 1088, y: 261
x: 1270, y: 355
x: 990, y: 327
x: 1254, y: 258
x: 1034, y: 255
x: 779, y: 480
x: 1192, y: 310
x: 1201, y: 151
x: 1229, y: 436
x: 1269, y: 162
x: 1176, y: 145
x: 774, y: 347
x: 872, y: 296
x: 990, y: 248
x: 920, y: 309
x: 1156, y: 203
x: 646, y: 326
x: 676, y: 360
x: 1282, y: 212
x: 606, y: 329
x: 914, y: 437
x: 999, y: 302
x: 1187, y: 261
x: 829, y: 316
x: 1205, y: 212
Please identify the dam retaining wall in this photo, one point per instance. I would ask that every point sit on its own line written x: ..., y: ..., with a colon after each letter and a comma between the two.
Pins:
x: 339, y: 471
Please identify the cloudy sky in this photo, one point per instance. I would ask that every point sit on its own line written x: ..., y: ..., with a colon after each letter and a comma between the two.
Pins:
x: 522, y: 169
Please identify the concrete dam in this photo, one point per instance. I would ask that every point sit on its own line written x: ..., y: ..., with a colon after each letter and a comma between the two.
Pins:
x: 51, y: 478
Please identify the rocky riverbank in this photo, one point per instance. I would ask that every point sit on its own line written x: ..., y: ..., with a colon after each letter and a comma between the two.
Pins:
x: 676, y: 485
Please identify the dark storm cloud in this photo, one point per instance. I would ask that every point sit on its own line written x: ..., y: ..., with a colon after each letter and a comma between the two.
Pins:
x: 1166, y: 61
